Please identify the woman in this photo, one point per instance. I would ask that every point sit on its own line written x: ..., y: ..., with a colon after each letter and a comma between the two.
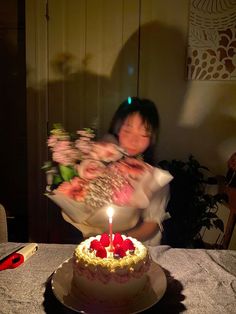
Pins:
x: 135, y: 128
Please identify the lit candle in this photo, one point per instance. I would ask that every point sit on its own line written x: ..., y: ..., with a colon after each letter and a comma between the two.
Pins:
x: 110, y: 212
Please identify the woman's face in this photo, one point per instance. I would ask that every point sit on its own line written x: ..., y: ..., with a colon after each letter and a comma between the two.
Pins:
x: 134, y: 137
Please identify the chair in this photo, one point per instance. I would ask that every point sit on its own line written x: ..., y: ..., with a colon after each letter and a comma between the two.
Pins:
x: 3, y: 225
x: 231, y: 193
x: 230, y: 190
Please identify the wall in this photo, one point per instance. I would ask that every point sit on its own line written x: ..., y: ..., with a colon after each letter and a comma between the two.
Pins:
x: 197, y: 117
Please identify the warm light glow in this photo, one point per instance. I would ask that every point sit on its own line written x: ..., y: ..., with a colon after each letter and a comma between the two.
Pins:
x: 199, y: 102
x: 110, y: 212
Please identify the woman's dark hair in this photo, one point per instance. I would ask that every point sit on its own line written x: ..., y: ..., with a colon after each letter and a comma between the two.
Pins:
x: 149, y: 114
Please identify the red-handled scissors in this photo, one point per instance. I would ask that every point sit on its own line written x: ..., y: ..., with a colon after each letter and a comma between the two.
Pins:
x: 11, y: 261
x: 17, y: 257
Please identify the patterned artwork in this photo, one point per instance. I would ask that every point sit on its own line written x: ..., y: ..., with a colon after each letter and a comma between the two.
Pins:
x: 212, y: 40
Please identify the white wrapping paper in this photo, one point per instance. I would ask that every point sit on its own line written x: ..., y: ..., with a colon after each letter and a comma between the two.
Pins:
x: 92, y: 221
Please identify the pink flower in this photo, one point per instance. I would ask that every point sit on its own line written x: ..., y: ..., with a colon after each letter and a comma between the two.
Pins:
x: 84, y: 145
x: 75, y: 188
x: 122, y: 197
x: 105, y: 151
x: 90, y: 169
x: 131, y: 167
x: 52, y: 141
x: 64, y: 153
x: 86, y: 134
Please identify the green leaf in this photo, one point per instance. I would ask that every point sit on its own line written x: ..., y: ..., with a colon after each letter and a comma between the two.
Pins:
x: 67, y: 172
x: 57, y: 179
x: 210, y: 215
x: 47, y: 165
x: 207, y: 224
x: 57, y: 126
x: 218, y: 223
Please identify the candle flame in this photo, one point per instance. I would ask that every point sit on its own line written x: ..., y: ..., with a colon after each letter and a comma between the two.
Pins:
x: 110, y: 212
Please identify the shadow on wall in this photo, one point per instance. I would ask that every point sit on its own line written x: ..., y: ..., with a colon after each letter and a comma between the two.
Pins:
x: 209, y: 113
x: 161, y: 75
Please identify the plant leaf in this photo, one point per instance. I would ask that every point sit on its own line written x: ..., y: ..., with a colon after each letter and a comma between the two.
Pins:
x: 210, y: 215
x: 67, y: 172
x: 47, y: 165
x: 207, y: 223
x: 57, y: 179
x: 218, y: 223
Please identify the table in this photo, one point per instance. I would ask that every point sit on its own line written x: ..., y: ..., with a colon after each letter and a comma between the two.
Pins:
x: 198, y: 281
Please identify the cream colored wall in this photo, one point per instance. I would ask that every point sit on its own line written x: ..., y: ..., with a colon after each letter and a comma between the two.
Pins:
x: 197, y: 117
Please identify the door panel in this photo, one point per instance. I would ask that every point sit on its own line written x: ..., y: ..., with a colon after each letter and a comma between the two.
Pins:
x: 85, y: 39
x: 66, y: 50
x: 88, y: 71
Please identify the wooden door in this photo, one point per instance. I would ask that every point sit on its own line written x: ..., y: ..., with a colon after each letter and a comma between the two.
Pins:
x: 80, y: 69
x: 85, y: 39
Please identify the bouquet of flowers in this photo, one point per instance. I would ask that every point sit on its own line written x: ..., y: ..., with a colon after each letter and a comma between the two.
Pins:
x: 86, y: 176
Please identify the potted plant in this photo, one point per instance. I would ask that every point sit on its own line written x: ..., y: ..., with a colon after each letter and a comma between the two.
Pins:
x: 190, y: 206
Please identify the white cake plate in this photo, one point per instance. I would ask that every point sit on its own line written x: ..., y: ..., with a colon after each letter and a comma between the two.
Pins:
x: 62, y: 288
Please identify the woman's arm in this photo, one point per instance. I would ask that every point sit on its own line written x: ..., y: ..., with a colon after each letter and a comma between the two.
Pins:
x: 152, y: 217
x: 144, y: 231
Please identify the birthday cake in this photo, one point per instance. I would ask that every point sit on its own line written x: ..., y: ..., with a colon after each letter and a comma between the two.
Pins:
x: 106, y: 272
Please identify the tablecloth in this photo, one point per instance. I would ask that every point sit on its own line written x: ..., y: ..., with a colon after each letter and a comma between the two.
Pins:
x: 198, y: 281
